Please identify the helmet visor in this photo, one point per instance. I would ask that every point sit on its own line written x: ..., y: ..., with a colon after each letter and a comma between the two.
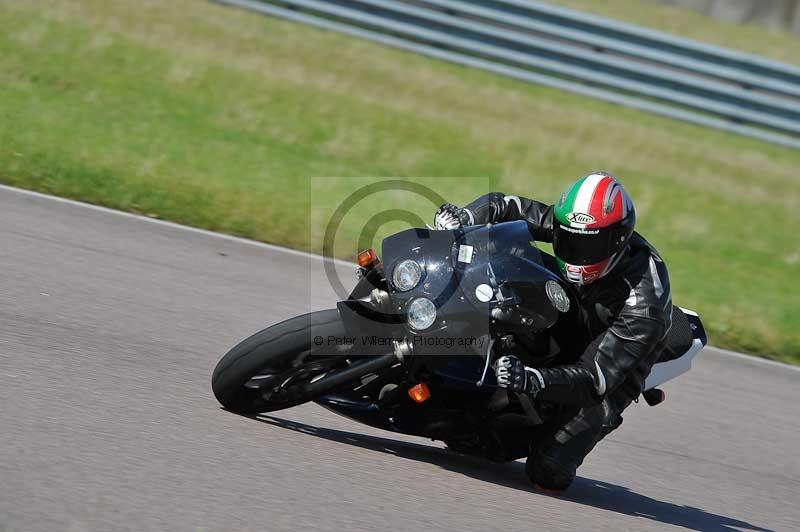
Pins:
x: 583, y: 246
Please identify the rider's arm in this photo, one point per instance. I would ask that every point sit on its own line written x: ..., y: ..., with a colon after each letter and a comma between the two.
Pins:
x: 497, y: 207
x: 615, y: 355
x: 635, y: 338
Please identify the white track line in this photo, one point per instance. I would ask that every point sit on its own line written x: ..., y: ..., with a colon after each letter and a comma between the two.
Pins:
x: 273, y: 247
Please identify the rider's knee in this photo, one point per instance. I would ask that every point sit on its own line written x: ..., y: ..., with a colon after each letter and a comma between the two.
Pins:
x: 550, y: 468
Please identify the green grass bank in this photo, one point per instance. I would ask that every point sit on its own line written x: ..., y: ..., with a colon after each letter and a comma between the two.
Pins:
x: 223, y: 119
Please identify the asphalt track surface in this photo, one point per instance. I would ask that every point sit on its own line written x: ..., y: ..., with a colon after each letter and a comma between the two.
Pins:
x: 111, y: 325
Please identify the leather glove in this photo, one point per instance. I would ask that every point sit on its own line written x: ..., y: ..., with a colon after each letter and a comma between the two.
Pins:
x: 448, y: 216
x: 517, y: 377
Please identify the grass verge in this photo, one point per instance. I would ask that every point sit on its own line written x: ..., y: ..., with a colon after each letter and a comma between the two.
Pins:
x: 220, y: 118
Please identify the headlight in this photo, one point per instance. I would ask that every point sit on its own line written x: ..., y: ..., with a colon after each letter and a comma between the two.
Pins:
x: 558, y: 297
x: 406, y: 275
x: 421, y: 313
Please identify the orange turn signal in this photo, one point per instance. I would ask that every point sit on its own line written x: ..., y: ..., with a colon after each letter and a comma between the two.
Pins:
x: 419, y: 392
x: 367, y: 258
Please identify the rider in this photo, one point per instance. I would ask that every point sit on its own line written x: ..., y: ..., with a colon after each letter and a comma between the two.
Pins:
x: 623, y: 289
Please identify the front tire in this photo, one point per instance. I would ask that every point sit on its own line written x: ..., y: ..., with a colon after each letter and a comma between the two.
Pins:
x: 273, y: 353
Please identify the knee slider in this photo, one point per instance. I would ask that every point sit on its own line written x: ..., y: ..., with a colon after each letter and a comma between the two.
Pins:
x: 549, y: 471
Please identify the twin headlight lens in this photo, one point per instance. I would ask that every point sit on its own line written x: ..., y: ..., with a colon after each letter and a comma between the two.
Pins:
x: 406, y: 275
x: 421, y: 311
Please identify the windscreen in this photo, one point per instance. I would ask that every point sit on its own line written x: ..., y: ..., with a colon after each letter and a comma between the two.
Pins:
x: 498, y: 240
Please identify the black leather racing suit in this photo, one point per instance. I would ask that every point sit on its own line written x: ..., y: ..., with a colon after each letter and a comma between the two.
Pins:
x: 628, y: 312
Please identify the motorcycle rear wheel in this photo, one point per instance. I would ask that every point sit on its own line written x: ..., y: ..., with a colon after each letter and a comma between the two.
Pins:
x: 266, y: 371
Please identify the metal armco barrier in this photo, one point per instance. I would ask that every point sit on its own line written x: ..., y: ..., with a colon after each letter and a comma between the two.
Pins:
x: 573, y: 51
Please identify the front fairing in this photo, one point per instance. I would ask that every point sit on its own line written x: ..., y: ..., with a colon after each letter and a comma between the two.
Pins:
x: 468, y: 272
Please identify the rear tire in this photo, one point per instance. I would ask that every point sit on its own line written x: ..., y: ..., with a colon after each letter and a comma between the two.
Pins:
x: 282, y: 346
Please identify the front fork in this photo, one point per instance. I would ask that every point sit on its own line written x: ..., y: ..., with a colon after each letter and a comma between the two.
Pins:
x: 358, y: 317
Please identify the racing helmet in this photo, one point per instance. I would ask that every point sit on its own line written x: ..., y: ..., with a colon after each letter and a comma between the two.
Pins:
x: 592, y: 224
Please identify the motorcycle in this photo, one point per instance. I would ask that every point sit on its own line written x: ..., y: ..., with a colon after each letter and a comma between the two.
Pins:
x: 411, y: 349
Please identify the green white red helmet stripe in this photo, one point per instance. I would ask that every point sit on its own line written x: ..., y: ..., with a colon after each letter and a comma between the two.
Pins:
x: 564, y: 207
x: 583, y: 199
x: 604, y: 212
x: 595, y: 201
x: 611, y: 204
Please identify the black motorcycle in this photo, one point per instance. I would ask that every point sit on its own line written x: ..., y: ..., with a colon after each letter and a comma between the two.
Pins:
x: 411, y: 349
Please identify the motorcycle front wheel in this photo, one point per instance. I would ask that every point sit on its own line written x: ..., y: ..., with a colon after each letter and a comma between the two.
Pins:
x: 268, y: 370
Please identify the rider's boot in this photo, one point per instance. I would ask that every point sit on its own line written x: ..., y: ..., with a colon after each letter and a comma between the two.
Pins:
x: 553, y: 461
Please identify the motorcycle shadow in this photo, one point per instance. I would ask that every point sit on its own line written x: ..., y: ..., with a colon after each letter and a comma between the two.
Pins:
x: 586, y: 491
